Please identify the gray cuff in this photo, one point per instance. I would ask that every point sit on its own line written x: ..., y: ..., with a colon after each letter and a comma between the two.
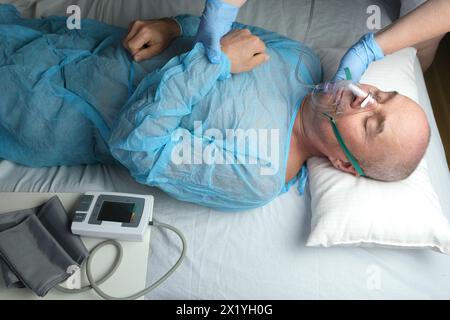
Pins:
x: 37, y: 248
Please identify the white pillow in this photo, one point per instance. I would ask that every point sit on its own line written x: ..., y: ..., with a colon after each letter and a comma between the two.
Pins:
x: 349, y: 211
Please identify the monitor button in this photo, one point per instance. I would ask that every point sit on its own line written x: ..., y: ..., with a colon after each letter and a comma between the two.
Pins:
x: 85, y: 203
x: 79, y: 217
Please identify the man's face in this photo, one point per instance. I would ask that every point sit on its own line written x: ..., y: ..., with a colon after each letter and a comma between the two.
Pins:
x: 387, y: 128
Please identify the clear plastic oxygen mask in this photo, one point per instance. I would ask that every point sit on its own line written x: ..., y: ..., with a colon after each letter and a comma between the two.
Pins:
x: 338, y: 98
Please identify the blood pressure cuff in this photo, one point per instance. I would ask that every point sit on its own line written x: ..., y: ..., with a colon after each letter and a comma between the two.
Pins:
x: 37, y: 248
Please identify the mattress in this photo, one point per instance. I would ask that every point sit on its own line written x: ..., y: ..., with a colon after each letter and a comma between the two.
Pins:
x: 258, y: 254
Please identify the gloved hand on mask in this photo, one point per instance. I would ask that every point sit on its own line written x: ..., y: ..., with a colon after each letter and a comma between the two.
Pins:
x: 216, y: 22
x: 359, y: 57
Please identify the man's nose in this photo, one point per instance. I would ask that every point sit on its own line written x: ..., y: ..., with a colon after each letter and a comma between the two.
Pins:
x: 364, y: 103
x: 350, y: 102
x: 356, y: 103
x: 362, y: 97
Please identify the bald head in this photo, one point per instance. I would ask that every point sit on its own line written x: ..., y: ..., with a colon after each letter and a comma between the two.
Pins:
x: 403, y: 147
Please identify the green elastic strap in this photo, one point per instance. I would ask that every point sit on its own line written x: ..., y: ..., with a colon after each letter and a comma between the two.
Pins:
x: 348, y: 74
x: 347, y: 152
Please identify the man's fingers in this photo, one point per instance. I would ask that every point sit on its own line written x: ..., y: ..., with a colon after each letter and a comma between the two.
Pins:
x: 148, y: 53
x: 260, y: 58
x: 258, y: 44
x: 133, y: 30
x: 142, y: 38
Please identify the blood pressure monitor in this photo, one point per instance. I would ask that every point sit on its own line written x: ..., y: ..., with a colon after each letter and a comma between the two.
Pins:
x: 116, y: 216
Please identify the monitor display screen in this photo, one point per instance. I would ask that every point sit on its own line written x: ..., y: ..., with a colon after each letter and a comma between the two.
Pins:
x: 116, y: 212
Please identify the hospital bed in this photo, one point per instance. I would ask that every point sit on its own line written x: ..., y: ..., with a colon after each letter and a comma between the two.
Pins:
x: 258, y: 254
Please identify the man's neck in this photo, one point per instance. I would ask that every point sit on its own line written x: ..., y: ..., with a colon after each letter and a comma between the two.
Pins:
x: 301, y: 148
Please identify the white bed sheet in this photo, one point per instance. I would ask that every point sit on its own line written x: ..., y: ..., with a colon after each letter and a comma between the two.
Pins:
x: 258, y: 254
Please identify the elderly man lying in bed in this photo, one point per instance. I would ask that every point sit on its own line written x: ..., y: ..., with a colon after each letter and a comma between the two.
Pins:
x: 232, y: 135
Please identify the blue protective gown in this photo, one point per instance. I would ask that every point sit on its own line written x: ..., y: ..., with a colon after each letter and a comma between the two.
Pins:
x: 73, y: 97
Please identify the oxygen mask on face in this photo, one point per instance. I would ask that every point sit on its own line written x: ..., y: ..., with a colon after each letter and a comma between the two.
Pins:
x: 339, y: 98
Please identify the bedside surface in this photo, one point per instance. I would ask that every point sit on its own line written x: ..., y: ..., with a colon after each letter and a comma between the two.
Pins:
x: 129, y: 278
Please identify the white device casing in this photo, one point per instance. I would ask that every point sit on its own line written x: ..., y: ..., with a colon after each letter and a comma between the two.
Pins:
x: 114, y: 230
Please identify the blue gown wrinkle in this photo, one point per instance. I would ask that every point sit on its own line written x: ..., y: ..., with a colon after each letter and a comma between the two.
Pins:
x: 91, y: 103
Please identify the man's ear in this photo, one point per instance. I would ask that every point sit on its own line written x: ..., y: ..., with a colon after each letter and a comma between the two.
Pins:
x: 343, y: 166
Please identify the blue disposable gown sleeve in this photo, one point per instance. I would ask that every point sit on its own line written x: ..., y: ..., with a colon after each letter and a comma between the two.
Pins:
x: 142, y: 137
x: 159, y: 103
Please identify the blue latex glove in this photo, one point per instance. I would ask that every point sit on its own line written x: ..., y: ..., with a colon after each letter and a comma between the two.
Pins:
x: 359, y: 57
x: 216, y: 22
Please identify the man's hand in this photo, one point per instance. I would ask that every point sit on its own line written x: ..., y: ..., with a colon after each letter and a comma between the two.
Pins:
x: 147, y: 39
x: 245, y: 51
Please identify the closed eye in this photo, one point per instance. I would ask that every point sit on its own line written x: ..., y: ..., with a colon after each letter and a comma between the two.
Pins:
x: 378, y: 128
x: 366, y: 120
